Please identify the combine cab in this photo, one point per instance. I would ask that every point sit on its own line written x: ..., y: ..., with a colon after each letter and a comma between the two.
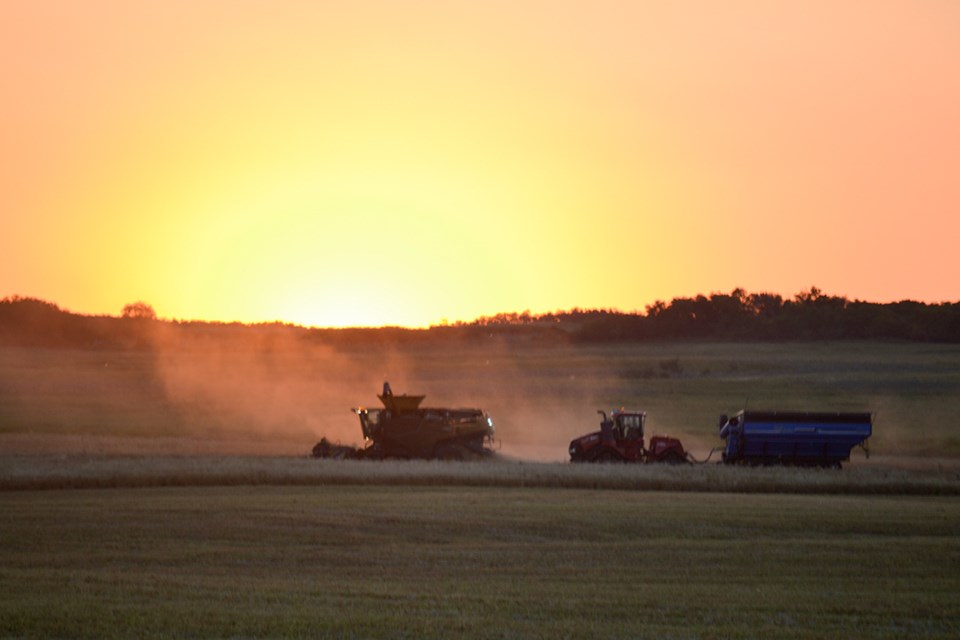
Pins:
x: 620, y: 439
x: 404, y: 429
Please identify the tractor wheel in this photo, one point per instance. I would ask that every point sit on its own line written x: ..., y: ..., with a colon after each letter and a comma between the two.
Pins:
x: 672, y: 457
x: 607, y: 457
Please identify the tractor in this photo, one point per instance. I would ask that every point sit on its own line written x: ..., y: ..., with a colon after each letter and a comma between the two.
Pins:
x: 620, y: 439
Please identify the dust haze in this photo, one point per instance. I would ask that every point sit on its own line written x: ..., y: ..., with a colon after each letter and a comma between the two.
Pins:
x: 277, y: 392
x: 267, y: 386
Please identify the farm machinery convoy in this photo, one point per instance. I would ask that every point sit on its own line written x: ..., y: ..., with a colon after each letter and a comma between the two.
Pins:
x: 404, y: 429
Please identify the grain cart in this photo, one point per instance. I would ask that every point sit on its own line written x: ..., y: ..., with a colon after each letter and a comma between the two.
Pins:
x: 404, y: 429
x: 793, y: 437
x: 620, y: 439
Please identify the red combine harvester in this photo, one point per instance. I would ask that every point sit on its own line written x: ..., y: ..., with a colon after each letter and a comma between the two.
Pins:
x: 620, y: 439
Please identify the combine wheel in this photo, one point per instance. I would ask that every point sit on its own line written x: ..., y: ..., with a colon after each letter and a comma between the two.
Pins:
x: 321, y: 449
x: 448, y: 452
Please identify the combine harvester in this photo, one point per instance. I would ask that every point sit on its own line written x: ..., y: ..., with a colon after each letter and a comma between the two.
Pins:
x: 404, y: 429
x: 794, y: 437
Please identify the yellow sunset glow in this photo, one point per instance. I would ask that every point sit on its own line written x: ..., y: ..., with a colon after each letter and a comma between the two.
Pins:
x: 381, y: 163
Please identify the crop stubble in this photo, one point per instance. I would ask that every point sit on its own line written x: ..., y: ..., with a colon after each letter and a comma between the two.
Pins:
x: 435, y: 561
x: 207, y: 544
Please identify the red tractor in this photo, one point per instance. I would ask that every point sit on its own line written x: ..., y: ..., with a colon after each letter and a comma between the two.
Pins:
x: 620, y: 439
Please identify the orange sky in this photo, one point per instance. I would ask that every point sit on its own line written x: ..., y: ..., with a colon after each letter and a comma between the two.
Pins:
x: 379, y: 162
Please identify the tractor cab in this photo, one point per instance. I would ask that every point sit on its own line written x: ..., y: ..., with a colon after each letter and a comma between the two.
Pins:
x: 620, y: 438
x: 629, y: 425
x: 622, y: 426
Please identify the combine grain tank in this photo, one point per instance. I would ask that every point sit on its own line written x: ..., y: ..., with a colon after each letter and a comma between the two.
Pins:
x: 793, y: 437
x: 404, y: 429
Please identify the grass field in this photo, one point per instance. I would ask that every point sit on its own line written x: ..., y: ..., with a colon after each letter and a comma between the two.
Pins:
x: 422, y: 562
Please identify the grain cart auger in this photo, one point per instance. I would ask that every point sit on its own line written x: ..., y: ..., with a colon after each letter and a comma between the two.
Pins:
x: 404, y: 429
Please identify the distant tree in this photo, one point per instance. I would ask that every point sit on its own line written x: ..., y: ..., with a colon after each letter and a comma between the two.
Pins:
x: 139, y: 310
x: 765, y: 305
x: 809, y: 297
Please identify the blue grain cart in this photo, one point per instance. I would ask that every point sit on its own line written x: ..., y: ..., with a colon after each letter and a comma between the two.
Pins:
x: 793, y: 437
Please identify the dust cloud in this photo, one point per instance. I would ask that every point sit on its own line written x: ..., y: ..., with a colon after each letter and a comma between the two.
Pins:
x: 538, y: 397
x: 276, y: 386
x: 270, y: 386
x: 277, y: 391
x: 267, y: 391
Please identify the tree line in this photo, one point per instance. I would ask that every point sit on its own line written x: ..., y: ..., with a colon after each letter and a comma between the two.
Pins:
x: 734, y: 316
x: 738, y: 315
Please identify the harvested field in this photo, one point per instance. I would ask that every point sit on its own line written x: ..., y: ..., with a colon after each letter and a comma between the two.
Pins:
x: 475, y: 562
x: 170, y: 495
x: 105, y: 445
x: 279, y: 399
x: 86, y: 471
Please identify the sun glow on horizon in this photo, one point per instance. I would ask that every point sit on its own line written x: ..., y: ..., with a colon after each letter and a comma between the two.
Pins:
x: 400, y: 164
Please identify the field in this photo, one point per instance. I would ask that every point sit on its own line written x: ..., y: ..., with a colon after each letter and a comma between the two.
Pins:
x: 149, y: 494
x: 432, y: 562
x: 280, y: 397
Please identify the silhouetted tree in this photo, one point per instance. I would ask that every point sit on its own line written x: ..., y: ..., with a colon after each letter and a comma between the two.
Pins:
x: 139, y: 310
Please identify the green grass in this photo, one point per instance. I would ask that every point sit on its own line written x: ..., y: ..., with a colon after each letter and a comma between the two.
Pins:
x: 431, y: 562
